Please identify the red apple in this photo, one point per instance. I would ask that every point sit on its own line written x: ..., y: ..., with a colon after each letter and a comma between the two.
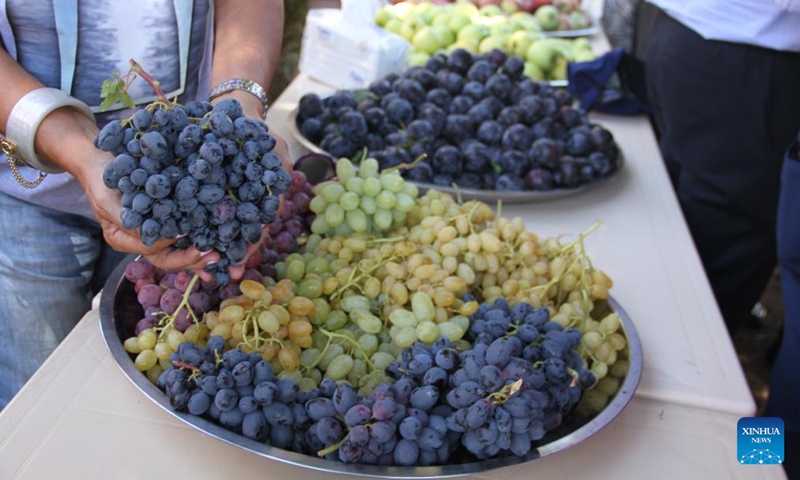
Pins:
x: 483, y: 3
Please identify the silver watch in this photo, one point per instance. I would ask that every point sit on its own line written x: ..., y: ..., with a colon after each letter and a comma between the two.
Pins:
x: 243, y: 85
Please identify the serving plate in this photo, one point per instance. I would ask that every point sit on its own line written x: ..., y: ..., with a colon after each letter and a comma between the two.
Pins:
x: 488, y: 196
x: 119, y: 312
x: 583, y: 32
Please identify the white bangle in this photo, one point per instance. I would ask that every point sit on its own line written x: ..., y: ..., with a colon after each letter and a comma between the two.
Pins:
x: 28, y: 114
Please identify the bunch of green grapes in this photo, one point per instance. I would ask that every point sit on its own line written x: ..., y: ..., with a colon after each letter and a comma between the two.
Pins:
x: 363, y: 201
x: 388, y: 272
x: 270, y: 320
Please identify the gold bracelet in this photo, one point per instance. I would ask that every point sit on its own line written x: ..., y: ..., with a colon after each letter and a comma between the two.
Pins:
x: 10, y: 150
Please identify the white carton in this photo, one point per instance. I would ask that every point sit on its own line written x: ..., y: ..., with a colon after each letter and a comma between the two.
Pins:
x: 346, y: 49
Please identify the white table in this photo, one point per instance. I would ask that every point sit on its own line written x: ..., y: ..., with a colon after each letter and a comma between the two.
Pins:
x: 80, y: 418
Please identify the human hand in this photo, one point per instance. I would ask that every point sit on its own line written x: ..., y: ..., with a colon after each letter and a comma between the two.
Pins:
x: 282, y: 150
x: 105, y: 204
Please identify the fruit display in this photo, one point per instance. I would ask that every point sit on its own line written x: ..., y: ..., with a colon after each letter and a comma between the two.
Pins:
x: 433, y: 28
x: 475, y: 121
x: 405, y: 330
x: 204, y: 175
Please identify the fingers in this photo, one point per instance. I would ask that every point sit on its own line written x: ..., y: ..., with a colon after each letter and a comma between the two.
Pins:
x: 179, y: 258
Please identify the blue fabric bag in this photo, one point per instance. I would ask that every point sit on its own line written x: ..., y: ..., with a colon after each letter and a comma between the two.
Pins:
x: 612, y: 83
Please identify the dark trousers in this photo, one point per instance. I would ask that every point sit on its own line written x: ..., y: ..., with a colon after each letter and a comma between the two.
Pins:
x: 725, y: 113
x: 784, y: 389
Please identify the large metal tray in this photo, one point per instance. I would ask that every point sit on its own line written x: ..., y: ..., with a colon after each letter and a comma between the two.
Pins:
x: 594, y: 28
x: 119, y: 312
x: 488, y: 196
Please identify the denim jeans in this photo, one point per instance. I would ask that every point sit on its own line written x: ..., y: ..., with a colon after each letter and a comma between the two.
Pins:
x: 51, y: 265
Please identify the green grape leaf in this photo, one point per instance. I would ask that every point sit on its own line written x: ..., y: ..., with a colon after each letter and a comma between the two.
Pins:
x: 113, y: 91
x: 364, y: 95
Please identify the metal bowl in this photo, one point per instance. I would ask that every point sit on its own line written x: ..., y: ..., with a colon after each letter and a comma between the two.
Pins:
x: 119, y: 312
x: 488, y: 196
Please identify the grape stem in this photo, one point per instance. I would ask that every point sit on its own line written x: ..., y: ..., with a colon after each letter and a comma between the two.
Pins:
x: 184, y: 304
x: 354, y: 343
x: 334, y: 447
x: 408, y: 166
x: 154, y: 84
x: 501, y: 396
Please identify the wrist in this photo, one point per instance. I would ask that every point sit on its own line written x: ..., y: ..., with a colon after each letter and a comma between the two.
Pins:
x: 28, y: 119
x: 241, y: 89
x: 251, y: 106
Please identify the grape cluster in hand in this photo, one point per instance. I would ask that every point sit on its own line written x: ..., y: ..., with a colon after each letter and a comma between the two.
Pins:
x: 479, y: 120
x: 206, y: 175
x: 293, y: 222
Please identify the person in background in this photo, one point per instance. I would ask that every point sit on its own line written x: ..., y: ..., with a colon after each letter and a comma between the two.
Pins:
x: 784, y: 391
x: 722, y: 79
x: 60, y: 239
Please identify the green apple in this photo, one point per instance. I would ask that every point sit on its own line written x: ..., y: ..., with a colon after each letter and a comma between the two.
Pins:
x: 441, y: 19
x: 490, y: 11
x: 504, y: 29
x: 383, y: 16
x: 534, y: 72
x: 491, y: 42
x: 509, y: 6
x: 418, y: 59
x: 559, y: 71
x: 474, y: 32
x: 467, y: 44
x: 542, y: 55
x: 547, y: 17
x: 520, y: 41
x: 394, y: 25
x: 580, y: 43
x: 465, y: 7
x: 402, y: 10
x: 583, y: 56
x: 457, y: 21
x: 525, y: 20
x: 423, y: 7
x: 444, y: 35
x: 425, y: 40
x: 562, y: 46
x: 578, y: 20
x: 408, y: 30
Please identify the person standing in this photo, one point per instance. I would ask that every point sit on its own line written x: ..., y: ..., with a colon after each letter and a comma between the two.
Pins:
x: 722, y: 79
x: 784, y: 388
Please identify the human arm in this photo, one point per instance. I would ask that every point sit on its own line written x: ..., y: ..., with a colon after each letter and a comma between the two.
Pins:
x: 65, y: 140
x: 247, y: 44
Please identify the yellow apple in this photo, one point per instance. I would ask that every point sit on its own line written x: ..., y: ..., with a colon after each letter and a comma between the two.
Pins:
x: 534, y: 72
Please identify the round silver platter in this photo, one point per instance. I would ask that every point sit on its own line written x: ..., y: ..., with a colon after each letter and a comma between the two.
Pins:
x: 488, y: 196
x: 119, y: 312
x: 595, y: 27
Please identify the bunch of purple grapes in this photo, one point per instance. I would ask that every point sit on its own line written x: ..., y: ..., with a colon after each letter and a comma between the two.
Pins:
x: 496, y: 399
x: 479, y: 120
x: 294, y: 218
x: 204, y: 175
x: 161, y: 292
x: 293, y: 222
